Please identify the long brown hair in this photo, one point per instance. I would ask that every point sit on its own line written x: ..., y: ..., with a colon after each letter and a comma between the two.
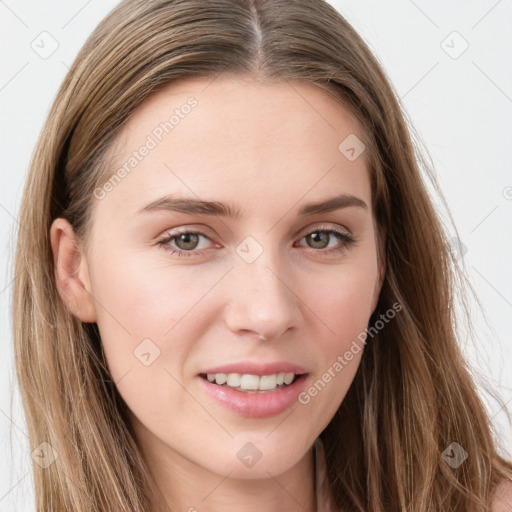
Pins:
x: 412, y: 395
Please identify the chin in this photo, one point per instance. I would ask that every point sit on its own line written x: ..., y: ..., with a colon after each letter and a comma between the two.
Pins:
x: 257, y: 459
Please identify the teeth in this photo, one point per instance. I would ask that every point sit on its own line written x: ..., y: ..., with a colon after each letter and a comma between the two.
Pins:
x: 249, y: 382
x: 288, y: 377
x: 268, y: 382
x: 233, y: 380
x: 220, y: 378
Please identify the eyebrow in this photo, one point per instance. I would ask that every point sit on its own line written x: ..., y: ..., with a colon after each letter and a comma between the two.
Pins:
x: 191, y: 206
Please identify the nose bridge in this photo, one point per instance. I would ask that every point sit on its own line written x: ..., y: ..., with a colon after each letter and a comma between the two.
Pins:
x: 263, y: 301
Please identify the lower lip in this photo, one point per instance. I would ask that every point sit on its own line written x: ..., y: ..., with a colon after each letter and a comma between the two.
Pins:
x: 256, y: 405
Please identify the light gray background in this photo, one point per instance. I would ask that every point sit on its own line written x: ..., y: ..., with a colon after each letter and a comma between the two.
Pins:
x: 461, y: 107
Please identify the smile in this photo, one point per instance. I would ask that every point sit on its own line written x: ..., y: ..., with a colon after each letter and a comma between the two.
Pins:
x: 254, y: 403
x: 255, y: 383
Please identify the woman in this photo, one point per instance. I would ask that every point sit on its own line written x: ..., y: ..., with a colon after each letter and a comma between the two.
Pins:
x: 182, y: 342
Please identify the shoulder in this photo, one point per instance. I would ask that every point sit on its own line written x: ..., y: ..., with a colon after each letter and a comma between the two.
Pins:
x: 502, y: 498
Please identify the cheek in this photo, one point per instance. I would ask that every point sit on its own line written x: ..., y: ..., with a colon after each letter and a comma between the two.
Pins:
x: 146, y: 332
x: 344, y: 302
x: 344, y: 305
x: 131, y: 306
x: 147, y: 307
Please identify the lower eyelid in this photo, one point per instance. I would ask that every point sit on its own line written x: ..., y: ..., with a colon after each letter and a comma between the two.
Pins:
x: 345, y: 238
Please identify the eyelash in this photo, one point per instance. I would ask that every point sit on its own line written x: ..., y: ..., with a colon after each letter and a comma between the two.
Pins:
x: 347, y: 239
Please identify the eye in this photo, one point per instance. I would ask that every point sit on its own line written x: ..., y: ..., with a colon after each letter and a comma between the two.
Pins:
x: 187, y: 241
x: 320, y: 238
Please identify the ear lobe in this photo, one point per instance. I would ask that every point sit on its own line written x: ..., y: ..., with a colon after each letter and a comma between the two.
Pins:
x: 71, y: 271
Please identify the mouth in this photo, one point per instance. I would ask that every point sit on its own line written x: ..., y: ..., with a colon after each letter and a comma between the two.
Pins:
x: 252, y: 384
x: 241, y: 393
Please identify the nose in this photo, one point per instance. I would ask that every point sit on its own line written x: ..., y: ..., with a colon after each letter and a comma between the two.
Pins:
x: 261, y: 298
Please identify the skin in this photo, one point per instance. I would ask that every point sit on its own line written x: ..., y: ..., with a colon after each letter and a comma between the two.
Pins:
x: 270, y: 149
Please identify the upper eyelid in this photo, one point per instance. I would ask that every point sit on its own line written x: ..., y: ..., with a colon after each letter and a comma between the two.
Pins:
x: 301, y: 233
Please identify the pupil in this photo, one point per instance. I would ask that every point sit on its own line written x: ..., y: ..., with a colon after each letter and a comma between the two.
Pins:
x: 318, y: 235
x: 186, y: 239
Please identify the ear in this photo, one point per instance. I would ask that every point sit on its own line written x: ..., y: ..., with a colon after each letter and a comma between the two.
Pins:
x: 71, y: 271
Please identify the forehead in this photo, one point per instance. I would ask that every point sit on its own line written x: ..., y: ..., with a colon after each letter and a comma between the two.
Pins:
x: 235, y: 138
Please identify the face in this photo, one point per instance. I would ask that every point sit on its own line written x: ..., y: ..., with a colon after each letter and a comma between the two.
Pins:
x: 179, y: 291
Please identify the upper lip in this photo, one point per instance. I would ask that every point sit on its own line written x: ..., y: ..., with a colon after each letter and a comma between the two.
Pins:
x: 255, y: 368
